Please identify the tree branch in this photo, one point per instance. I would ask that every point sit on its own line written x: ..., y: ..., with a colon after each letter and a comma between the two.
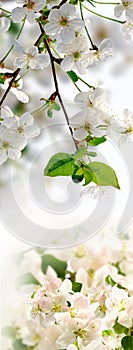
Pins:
x: 57, y: 92
x: 14, y: 76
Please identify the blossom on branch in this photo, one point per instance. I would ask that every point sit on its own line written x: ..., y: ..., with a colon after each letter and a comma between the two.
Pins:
x: 30, y: 57
x: 76, y: 54
x: 127, y: 6
x: 16, y: 86
x: 29, y: 9
x: 64, y: 22
x: 14, y: 133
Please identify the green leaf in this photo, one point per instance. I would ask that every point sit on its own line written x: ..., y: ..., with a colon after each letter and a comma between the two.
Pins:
x: 26, y: 278
x: 119, y: 329
x: 88, y: 175
x: 110, y: 280
x: 91, y: 154
x: 2, y: 78
x: 59, y: 266
x: 95, y: 141
x: 9, y: 332
x: 50, y: 113
x: 76, y: 287
x: 78, y: 176
x: 104, y: 175
x: 61, y: 164
x: 107, y: 332
x: 73, y: 76
x: 127, y: 343
x: 73, y: 2
x: 80, y: 153
x: 56, y: 106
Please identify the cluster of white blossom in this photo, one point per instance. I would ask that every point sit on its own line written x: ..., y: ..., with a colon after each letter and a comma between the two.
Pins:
x: 127, y: 7
x: 14, y: 133
x: 64, y: 38
x: 96, y: 117
x: 89, y: 307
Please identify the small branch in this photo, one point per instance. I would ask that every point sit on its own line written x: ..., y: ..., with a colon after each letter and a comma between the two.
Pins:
x: 105, y: 17
x: 57, y: 92
x: 14, y: 76
x: 94, y: 47
x: 61, y: 3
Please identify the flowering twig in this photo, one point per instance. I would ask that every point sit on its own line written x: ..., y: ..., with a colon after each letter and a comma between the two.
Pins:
x: 14, y: 76
x: 57, y: 92
x: 94, y: 47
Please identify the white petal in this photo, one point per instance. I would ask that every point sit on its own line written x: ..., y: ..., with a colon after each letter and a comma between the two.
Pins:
x: 129, y: 14
x: 106, y: 45
x: 26, y: 120
x: 3, y: 156
x: 6, y: 112
x: 39, y: 5
x: 54, y: 15
x: 77, y: 23
x: 14, y: 153
x: 80, y: 134
x: 52, y: 28
x: 118, y: 10
x: 4, y: 24
x: 32, y: 131
x: 18, y: 46
x: 21, y: 96
x: 67, y: 35
x: 33, y: 51
x: 67, y: 10
x: 67, y: 63
x: 40, y: 62
x: 21, y: 61
x: 18, y: 14
x: 31, y: 16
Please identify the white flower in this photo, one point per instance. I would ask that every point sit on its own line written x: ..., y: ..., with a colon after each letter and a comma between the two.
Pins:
x: 91, y: 116
x: 28, y: 9
x: 127, y: 6
x: 14, y: 133
x: 23, y: 126
x: 127, y: 30
x: 4, y: 24
x: 11, y: 144
x: 104, y: 51
x: 126, y: 123
x: 16, y: 87
x: 64, y: 22
x: 75, y: 54
x: 73, y: 329
x: 30, y: 57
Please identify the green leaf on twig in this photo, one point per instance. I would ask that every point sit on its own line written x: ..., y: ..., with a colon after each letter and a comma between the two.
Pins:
x: 61, y: 164
x: 59, y: 266
x: 127, y: 343
x: 104, y: 175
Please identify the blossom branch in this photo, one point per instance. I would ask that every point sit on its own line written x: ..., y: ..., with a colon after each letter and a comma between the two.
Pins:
x: 57, y: 92
x: 14, y: 76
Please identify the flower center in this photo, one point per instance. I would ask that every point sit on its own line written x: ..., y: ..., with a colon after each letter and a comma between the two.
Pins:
x: 64, y: 21
x: 6, y: 145
x: 20, y: 130
x: 76, y: 55
x: 30, y: 5
x: 57, y: 308
x: 80, y: 333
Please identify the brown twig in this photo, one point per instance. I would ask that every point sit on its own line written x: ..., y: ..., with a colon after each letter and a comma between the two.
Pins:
x: 57, y: 92
x: 14, y: 76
